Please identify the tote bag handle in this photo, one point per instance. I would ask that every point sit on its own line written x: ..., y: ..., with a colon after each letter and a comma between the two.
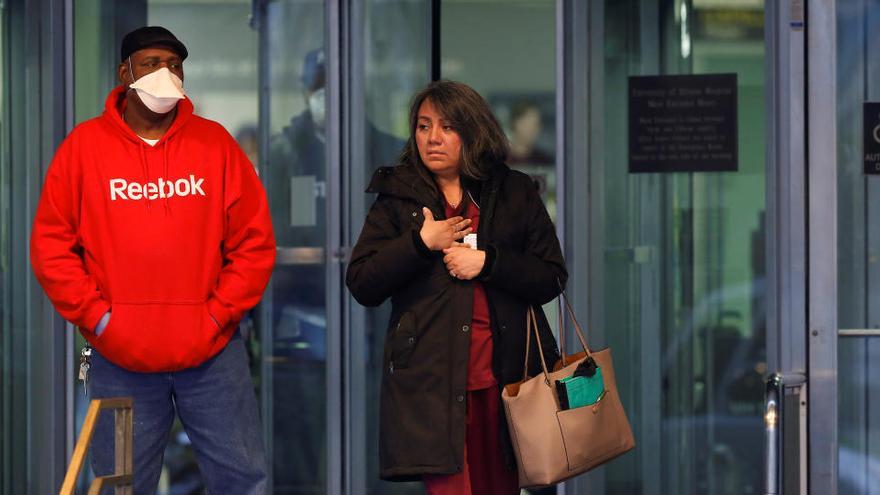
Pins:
x: 532, y: 326
x: 563, y: 299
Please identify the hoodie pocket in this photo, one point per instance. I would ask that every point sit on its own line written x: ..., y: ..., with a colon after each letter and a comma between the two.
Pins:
x: 160, y: 336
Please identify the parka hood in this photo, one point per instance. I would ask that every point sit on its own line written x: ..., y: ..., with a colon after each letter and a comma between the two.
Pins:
x: 407, y: 182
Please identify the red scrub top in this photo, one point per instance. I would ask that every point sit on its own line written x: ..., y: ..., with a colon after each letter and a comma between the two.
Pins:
x: 480, y: 364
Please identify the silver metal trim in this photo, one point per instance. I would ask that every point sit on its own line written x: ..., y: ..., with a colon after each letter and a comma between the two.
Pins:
x: 69, y: 329
x: 580, y: 31
x: 561, y: 139
x: 785, y: 190
x: 561, y: 127
x: 822, y: 244
x: 858, y: 332
x: 335, y: 39
x: 267, y: 375
x: 46, y: 36
x: 355, y: 176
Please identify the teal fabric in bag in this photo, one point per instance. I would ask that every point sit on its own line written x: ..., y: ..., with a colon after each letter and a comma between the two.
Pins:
x: 580, y: 390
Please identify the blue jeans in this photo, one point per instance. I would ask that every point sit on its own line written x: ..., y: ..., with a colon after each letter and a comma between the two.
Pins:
x: 217, y: 407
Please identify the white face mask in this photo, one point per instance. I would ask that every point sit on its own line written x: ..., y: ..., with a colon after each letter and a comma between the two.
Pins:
x: 160, y: 90
x: 317, y: 108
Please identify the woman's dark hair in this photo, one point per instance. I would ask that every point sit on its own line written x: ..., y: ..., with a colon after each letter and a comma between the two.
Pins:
x: 483, y: 143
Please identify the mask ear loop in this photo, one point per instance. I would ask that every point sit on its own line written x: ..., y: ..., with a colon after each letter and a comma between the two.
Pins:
x: 130, y: 71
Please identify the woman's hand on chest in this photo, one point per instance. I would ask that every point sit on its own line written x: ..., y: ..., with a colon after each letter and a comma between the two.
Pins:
x: 440, y: 234
x: 463, y: 262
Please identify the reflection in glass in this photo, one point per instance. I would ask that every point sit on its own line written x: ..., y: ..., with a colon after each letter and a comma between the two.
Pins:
x: 681, y: 293
x: 5, y: 330
x: 396, y: 54
x: 294, y: 373
x: 507, y: 52
x: 221, y: 76
x: 857, y: 246
x: 94, y: 76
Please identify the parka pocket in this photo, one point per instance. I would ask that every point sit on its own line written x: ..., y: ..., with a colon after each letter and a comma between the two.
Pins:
x: 402, y: 342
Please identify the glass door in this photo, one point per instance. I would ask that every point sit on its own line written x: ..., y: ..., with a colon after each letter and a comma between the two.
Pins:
x: 488, y: 45
x: 390, y: 62
x: 293, y: 330
x: 858, y: 245
x: 677, y: 259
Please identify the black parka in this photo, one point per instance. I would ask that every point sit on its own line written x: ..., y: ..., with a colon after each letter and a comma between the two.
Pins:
x: 427, y: 347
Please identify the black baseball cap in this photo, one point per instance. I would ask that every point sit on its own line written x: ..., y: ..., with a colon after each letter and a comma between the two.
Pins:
x: 313, y: 71
x: 150, y: 36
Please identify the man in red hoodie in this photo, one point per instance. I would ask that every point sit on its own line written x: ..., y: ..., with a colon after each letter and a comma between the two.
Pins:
x: 153, y: 237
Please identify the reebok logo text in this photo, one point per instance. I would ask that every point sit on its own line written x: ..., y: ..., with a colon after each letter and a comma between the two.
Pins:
x: 122, y: 189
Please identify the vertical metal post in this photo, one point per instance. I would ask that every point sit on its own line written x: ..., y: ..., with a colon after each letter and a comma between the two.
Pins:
x: 561, y: 140
x: 5, y: 286
x: 336, y: 43
x: 788, y: 225
x: 18, y: 21
x: 259, y: 23
x: 561, y: 127
x: 786, y: 188
x: 579, y: 27
x: 650, y: 200
x: 45, y: 123
x: 355, y: 170
x: 69, y: 329
x: 821, y: 59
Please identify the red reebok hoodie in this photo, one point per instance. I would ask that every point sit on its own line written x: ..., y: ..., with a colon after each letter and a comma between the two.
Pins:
x: 175, y: 239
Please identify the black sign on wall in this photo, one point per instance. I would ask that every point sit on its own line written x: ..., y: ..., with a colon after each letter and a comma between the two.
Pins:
x: 683, y: 123
x: 871, y: 137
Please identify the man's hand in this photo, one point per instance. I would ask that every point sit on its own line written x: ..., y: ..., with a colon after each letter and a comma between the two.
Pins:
x: 462, y: 262
x: 441, y: 234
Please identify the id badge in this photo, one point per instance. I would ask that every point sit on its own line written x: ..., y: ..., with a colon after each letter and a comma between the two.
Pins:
x: 471, y: 240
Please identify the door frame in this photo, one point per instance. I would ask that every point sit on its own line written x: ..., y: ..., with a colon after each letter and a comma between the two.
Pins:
x: 821, y: 194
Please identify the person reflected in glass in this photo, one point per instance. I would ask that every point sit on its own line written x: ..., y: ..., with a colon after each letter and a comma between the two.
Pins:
x: 248, y: 138
x: 526, y: 125
x: 462, y: 245
x: 297, y: 178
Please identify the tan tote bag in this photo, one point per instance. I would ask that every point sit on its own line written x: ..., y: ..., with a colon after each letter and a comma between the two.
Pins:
x: 551, y: 444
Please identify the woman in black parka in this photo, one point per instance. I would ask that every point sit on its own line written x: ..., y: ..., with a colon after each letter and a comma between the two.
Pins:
x: 463, y: 246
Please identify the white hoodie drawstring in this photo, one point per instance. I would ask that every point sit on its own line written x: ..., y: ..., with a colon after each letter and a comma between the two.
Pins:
x: 165, y: 173
x: 146, y: 169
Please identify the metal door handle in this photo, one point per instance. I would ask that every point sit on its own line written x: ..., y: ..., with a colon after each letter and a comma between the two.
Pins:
x: 774, y: 414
